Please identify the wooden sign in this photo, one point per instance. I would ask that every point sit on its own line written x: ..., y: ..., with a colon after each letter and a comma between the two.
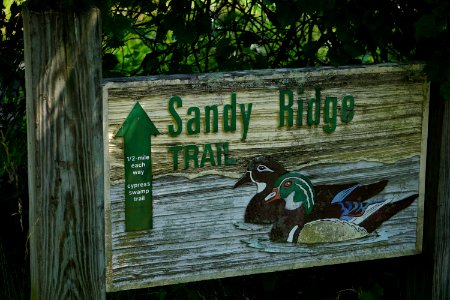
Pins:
x: 226, y: 174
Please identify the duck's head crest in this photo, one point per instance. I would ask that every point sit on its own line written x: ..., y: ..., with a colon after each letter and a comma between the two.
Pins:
x: 296, y: 190
x: 263, y: 170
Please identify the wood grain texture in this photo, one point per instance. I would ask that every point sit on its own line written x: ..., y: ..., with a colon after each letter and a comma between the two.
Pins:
x: 65, y: 153
x: 198, y: 238
x: 385, y: 97
x: 199, y: 231
x: 441, y: 276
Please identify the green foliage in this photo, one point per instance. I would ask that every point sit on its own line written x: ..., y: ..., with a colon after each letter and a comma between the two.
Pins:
x: 9, y: 278
x: 194, y: 36
x: 60, y: 5
x: 433, y: 38
x: 374, y: 293
x: 13, y: 156
x: 12, y: 110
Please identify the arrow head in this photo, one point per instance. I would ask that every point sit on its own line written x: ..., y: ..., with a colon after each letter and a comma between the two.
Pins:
x: 137, y: 120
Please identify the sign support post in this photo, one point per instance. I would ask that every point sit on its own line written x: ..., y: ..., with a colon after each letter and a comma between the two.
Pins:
x: 65, y: 152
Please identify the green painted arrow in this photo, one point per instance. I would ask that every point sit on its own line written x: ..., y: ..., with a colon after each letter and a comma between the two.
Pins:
x: 137, y: 130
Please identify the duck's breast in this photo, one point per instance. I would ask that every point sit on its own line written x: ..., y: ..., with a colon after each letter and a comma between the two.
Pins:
x: 329, y: 231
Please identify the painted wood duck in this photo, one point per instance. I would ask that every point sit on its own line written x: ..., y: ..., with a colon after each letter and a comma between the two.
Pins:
x: 262, y: 171
x: 324, y: 213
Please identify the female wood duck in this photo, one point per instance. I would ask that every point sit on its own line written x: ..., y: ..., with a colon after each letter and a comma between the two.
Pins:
x: 263, y: 172
x: 324, y: 213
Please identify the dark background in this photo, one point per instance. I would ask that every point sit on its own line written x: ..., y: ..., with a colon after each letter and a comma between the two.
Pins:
x: 193, y: 36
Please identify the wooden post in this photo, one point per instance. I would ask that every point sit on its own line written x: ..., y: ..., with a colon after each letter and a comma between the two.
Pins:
x: 441, y: 274
x: 65, y: 153
x: 432, y: 276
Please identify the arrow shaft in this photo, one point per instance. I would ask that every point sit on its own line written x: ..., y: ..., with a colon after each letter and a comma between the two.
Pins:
x: 138, y: 181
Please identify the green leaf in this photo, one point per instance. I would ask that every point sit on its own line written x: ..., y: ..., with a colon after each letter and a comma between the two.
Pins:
x: 224, y: 48
x: 287, y: 13
x: 375, y: 293
x: 354, y: 50
x: 184, y: 33
x: 432, y: 70
x: 426, y: 27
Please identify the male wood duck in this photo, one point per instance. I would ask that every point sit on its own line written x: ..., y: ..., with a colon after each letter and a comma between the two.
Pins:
x: 327, y: 209
x: 263, y: 172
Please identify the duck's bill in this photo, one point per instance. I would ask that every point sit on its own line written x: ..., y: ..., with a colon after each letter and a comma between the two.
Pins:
x: 274, y: 195
x: 243, y: 180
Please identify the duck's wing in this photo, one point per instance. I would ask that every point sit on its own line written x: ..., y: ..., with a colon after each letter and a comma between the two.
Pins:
x: 326, y: 192
x: 364, y: 192
x: 343, y: 194
x: 345, y: 201
x: 351, y: 209
x: 335, y: 193
x: 385, y: 212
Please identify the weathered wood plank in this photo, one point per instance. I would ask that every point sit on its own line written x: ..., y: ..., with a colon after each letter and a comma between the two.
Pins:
x: 198, y: 218
x: 375, y: 112
x: 191, y: 237
x: 65, y: 154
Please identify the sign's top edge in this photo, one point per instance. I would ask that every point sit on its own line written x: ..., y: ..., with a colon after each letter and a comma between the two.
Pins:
x: 415, y: 66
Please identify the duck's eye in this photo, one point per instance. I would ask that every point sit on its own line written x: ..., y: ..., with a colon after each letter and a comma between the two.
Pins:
x: 287, y: 184
x: 263, y: 168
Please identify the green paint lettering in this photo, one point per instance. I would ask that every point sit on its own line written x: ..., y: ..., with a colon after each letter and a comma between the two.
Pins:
x: 229, y: 115
x: 175, y: 150
x: 190, y: 153
x: 299, y: 112
x: 193, y: 124
x: 175, y: 100
x: 207, y: 156
x: 245, y: 119
x: 215, y: 118
x: 348, y: 106
x: 314, y: 109
x: 330, y: 121
x: 219, y: 153
x: 286, y: 108
x: 228, y: 161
